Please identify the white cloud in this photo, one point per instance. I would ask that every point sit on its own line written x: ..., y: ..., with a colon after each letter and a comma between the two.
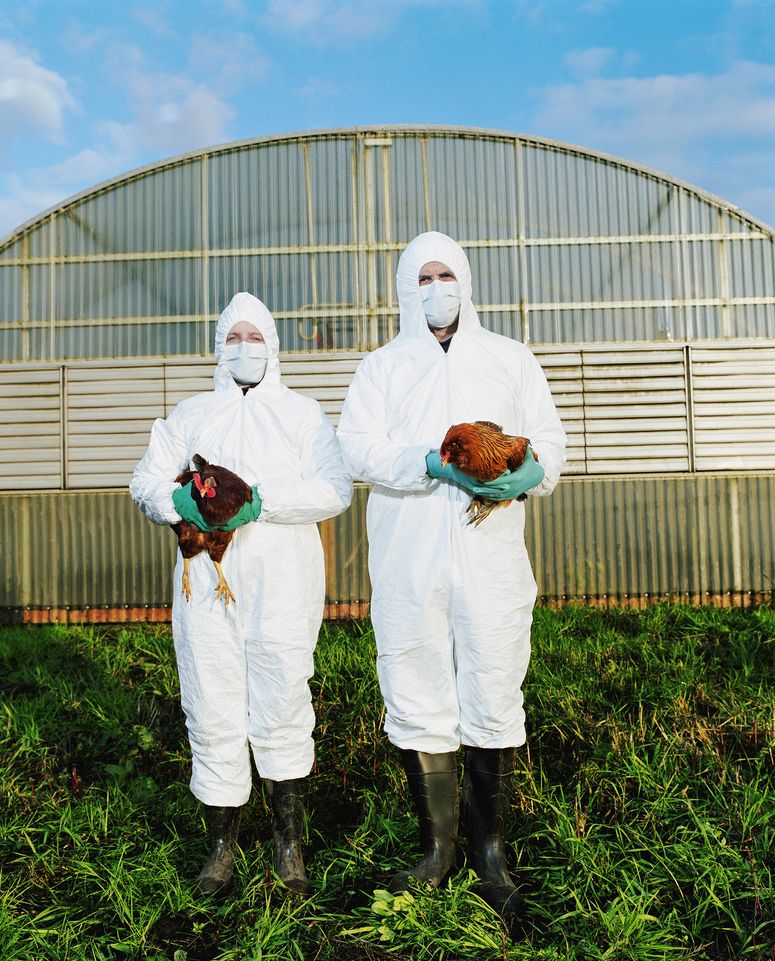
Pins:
x: 696, y: 127
x: 665, y: 109
x: 228, y: 64
x: 342, y: 21
x: 589, y: 61
x: 316, y: 89
x: 169, y: 112
x: 83, y: 40
x: 537, y: 11
x: 156, y: 19
x: 324, y: 20
x: 33, y: 100
x: 175, y: 120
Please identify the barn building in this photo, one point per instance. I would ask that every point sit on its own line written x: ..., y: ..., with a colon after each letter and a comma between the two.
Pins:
x: 649, y: 303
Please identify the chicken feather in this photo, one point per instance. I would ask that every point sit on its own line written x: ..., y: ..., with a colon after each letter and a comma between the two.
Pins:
x: 481, y: 450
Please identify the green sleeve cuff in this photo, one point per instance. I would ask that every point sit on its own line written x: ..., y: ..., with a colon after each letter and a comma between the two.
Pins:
x: 185, y: 504
x: 249, y: 511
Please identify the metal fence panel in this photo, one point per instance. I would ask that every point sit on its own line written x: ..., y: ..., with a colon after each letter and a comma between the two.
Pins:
x: 599, y: 540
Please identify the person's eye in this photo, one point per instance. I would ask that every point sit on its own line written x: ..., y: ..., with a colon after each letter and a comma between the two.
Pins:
x: 424, y: 280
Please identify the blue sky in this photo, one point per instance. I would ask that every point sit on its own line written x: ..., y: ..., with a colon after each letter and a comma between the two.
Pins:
x: 89, y: 90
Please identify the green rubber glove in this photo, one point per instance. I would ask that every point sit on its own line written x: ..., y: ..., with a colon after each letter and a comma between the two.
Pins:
x: 509, y: 486
x: 248, y: 512
x: 185, y: 504
x: 187, y: 507
x: 512, y: 484
x: 451, y: 474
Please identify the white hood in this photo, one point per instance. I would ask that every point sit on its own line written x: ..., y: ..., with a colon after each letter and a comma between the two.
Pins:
x: 423, y: 249
x: 245, y: 306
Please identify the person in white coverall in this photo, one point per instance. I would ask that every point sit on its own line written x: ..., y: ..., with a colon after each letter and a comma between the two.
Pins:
x: 244, y: 669
x: 451, y: 602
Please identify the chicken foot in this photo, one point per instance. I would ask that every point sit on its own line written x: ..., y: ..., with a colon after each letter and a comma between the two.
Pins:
x: 222, y: 588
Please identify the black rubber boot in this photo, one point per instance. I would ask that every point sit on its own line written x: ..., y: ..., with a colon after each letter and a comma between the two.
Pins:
x: 432, y: 780
x: 286, y: 801
x: 222, y: 826
x: 486, y: 792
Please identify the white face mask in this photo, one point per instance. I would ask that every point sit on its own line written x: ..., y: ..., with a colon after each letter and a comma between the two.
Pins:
x: 246, y: 361
x: 441, y: 302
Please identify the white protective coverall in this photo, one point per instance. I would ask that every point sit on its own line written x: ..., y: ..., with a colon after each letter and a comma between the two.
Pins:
x: 244, y: 669
x: 451, y: 603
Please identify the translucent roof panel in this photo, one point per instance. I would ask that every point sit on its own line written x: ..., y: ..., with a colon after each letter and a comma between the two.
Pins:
x: 566, y: 245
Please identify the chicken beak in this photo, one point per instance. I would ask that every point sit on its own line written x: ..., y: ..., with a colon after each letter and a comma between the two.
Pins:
x: 444, y: 460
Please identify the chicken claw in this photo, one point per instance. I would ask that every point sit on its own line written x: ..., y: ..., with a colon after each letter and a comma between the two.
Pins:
x: 222, y: 588
x: 186, y: 580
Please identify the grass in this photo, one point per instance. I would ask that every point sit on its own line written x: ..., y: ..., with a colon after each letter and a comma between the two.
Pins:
x: 643, y: 819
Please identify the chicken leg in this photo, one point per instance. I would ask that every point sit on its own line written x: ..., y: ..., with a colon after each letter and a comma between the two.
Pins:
x: 186, y: 580
x: 222, y: 588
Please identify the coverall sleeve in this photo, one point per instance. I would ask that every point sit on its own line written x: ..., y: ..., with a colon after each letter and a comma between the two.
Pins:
x: 325, y: 488
x: 368, y: 451
x: 153, y: 480
x: 542, y: 425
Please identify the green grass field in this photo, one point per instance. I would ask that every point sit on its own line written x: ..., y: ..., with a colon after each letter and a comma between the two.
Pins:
x: 643, y: 819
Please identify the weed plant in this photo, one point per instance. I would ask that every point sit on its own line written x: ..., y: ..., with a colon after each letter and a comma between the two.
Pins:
x: 643, y: 822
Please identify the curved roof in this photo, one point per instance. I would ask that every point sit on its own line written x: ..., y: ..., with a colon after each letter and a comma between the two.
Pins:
x: 567, y: 245
x: 377, y: 130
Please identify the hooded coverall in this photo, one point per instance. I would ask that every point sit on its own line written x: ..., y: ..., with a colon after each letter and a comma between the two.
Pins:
x: 451, y: 603
x: 244, y: 670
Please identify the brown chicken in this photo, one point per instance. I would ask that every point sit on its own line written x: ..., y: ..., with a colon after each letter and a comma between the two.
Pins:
x: 219, y: 494
x: 483, y: 451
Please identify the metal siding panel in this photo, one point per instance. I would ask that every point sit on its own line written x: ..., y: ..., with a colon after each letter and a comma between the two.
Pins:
x: 685, y: 537
x: 79, y: 549
x: 646, y: 390
x: 31, y: 425
x: 733, y: 385
x: 563, y: 374
x: 345, y: 547
x: 126, y: 400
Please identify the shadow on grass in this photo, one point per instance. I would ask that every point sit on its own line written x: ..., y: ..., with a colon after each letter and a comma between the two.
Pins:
x: 642, y: 821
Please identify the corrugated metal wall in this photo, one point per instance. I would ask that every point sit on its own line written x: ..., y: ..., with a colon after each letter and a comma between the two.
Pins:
x: 614, y: 540
x: 566, y: 246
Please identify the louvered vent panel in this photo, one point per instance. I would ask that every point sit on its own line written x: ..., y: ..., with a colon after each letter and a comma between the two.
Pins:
x: 30, y: 428
x: 635, y: 411
x: 733, y: 391
x: 325, y: 377
x: 185, y: 380
x: 563, y: 372
x: 110, y: 411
